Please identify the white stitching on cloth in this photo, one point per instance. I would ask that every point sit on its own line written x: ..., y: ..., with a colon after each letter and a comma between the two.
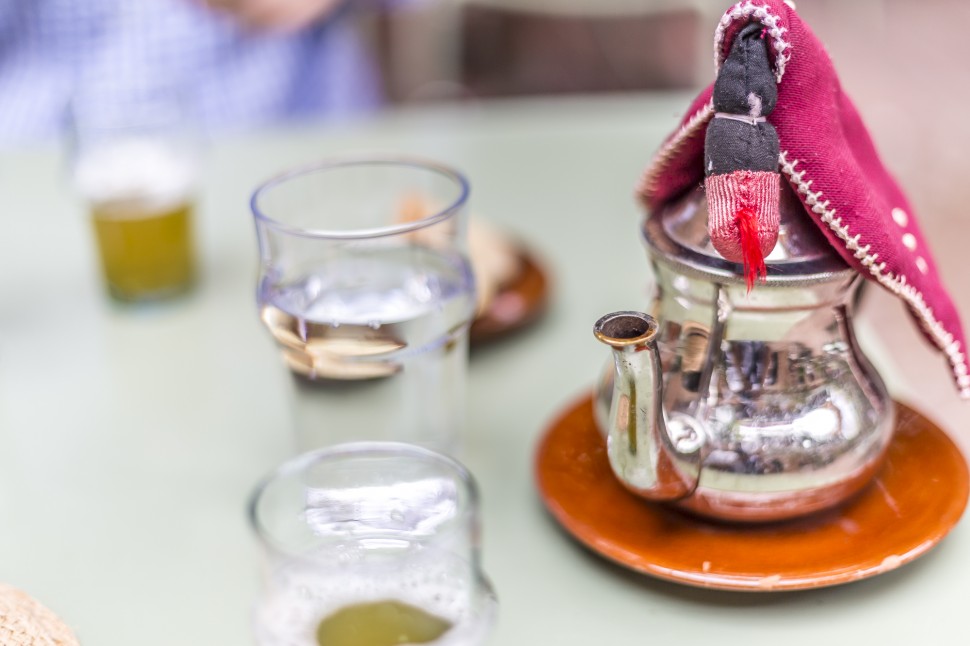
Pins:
x: 896, y: 284
x: 762, y: 14
x: 648, y: 183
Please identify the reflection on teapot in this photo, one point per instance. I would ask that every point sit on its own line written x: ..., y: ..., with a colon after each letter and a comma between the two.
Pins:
x: 747, y: 406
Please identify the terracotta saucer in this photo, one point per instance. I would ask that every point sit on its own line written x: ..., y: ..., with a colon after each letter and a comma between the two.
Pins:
x: 913, y: 503
x: 518, y: 302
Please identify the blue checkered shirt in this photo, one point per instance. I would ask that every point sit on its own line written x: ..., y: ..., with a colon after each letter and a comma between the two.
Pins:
x: 53, y: 50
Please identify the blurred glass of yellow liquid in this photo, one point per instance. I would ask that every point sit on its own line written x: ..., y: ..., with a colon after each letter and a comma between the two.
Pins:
x: 146, y: 250
x: 140, y: 191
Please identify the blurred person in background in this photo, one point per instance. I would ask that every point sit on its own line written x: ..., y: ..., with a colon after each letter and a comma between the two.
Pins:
x: 232, y: 63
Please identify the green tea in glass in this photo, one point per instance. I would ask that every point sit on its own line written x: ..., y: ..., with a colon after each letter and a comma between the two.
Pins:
x: 370, y: 544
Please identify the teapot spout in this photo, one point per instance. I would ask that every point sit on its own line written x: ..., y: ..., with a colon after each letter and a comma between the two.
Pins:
x: 650, y: 459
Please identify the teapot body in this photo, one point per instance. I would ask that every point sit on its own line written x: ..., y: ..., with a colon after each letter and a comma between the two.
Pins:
x: 792, y: 416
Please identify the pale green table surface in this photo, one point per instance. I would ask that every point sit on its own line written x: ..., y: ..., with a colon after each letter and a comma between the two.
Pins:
x: 129, y: 440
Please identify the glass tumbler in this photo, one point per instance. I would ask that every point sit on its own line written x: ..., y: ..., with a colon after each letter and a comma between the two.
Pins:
x: 135, y: 164
x: 370, y: 544
x: 366, y: 287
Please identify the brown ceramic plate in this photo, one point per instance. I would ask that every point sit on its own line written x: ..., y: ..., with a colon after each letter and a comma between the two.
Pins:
x: 519, y: 302
x: 913, y: 503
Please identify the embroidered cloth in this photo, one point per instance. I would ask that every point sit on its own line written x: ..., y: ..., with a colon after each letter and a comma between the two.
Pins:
x: 828, y: 157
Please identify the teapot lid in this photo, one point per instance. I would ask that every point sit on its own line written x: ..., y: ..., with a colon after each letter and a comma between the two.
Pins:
x: 678, y: 232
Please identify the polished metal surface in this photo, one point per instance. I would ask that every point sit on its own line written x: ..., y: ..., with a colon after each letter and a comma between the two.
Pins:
x: 766, y: 392
x: 678, y: 234
x: 650, y: 460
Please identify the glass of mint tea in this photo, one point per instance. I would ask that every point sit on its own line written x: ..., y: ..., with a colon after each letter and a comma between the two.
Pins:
x: 370, y: 544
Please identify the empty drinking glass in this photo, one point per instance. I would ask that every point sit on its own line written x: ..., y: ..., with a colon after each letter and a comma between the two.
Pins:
x: 370, y: 544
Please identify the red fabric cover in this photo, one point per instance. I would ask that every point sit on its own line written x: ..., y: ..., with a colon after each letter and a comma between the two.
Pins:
x: 829, y: 159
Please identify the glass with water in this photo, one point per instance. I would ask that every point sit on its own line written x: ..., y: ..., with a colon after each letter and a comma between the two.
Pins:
x: 366, y: 288
x: 371, y: 544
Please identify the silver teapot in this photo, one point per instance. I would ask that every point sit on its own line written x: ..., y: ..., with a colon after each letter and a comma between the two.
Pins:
x: 737, y: 405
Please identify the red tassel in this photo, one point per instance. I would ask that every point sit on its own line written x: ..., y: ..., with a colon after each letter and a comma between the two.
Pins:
x: 743, y: 219
x: 754, y: 260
